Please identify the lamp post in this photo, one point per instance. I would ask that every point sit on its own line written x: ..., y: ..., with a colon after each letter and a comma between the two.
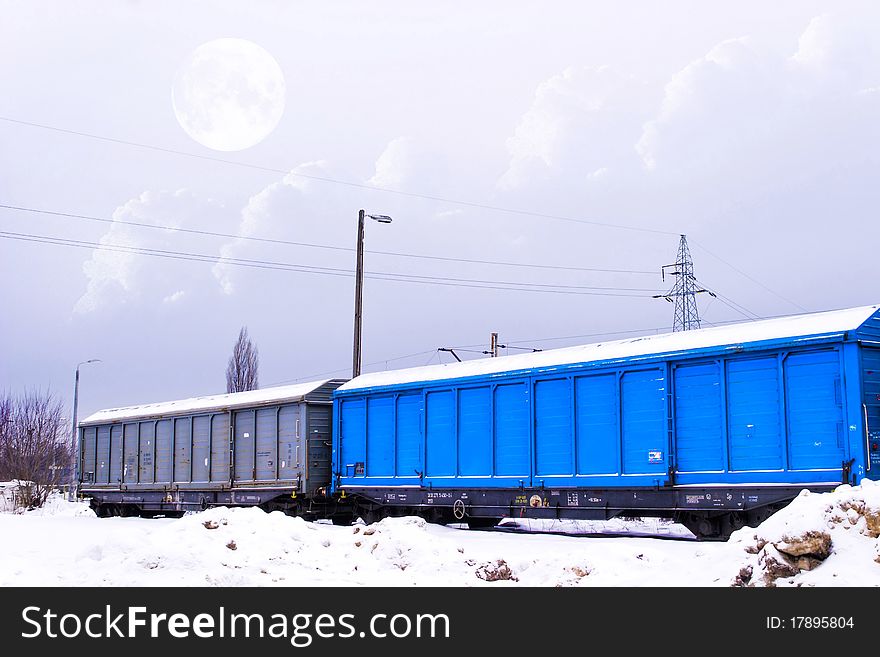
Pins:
x: 74, y: 473
x: 359, y: 287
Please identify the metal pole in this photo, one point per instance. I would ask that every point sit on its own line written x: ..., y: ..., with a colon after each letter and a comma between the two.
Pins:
x: 493, y: 345
x: 358, y: 296
x: 74, y: 473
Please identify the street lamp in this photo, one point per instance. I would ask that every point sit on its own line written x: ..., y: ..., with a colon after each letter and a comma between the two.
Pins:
x: 359, y: 287
x: 74, y: 473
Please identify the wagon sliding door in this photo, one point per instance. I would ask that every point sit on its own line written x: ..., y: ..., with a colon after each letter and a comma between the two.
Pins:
x: 116, y: 455
x: 380, y: 436
x: 289, y: 447
x: 201, y: 448
x: 102, y: 456
x: 244, y: 444
x: 440, y: 450
x: 130, y: 469
x: 699, y: 412
x: 598, y: 425
x: 643, y: 422
x: 512, y: 452
x: 353, y: 438
x: 266, y: 456
x: 408, y: 457
x: 88, y: 468
x: 220, y: 447
x: 753, y: 414
x: 816, y: 431
x: 554, y: 453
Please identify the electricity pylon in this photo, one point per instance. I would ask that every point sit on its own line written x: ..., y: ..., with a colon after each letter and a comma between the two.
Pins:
x: 684, y: 293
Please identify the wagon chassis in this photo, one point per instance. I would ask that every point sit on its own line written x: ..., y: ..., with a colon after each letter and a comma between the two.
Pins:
x: 709, y: 512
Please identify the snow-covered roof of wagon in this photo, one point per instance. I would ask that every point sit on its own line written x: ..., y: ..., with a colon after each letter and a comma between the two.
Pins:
x: 793, y: 327
x: 291, y: 393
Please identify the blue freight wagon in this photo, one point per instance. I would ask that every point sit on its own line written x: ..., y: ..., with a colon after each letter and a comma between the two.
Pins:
x: 714, y: 427
x: 267, y: 448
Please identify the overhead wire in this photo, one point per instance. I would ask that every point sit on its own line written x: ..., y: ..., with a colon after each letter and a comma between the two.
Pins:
x: 733, y: 305
x: 250, y: 238
x: 343, y: 369
x: 730, y: 303
x: 330, y: 271
x: 645, y: 331
x: 751, y: 278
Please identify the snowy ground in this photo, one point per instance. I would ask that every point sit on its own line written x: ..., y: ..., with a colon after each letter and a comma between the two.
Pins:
x: 819, y: 540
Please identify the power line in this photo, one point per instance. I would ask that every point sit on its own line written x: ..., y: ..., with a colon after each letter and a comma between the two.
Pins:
x: 268, y: 264
x: 742, y: 310
x: 347, y: 183
x: 310, y: 269
x: 193, y: 231
x: 397, y: 192
x: 583, y: 335
x: 755, y: 281
x: 646, y: 331
x: 730, y: 303
x: 348, y: 369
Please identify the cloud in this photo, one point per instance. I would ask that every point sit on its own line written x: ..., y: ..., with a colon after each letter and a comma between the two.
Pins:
x: 746, y: 109
x: 750, y: 111
x: 581, y: 119
x: 420, y: 166
x: 712, y: 107
x: 118, y: 276
x: 842, y: 47
x: 394, y: 164
x: 751, y: 142
x: 108, y: 272
x: 176, y: 296
x: 274, y: 213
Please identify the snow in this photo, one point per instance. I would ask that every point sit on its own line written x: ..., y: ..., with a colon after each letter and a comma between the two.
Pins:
x: 248, y: 547
x: 210, y: 402
x: 850, y: 516
x: 796, y: 326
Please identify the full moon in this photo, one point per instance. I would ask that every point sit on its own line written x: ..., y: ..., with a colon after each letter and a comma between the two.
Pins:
x: 229, y: 94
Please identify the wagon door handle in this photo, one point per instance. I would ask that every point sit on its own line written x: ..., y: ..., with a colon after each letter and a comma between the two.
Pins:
x: 867, y: 439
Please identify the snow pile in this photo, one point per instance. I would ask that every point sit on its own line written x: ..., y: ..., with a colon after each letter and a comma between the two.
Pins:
x: 248, y: 547
x: 57, y: 505
x: 828, y: 539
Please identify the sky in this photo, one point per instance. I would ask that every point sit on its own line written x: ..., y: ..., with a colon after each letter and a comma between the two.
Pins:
x: 562, y: 137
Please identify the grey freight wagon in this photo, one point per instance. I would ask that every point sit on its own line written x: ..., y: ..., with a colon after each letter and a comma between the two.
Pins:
x: 267, y: 448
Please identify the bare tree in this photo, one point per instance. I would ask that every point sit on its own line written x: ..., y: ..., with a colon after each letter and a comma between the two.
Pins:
x: 242, y: 370
x: 35, y: 446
